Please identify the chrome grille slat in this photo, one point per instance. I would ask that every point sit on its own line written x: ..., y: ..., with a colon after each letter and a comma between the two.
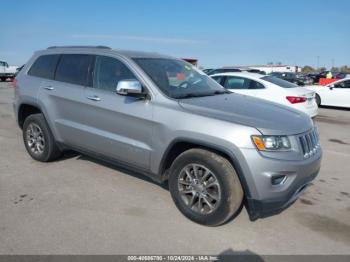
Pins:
x: 309, y: 143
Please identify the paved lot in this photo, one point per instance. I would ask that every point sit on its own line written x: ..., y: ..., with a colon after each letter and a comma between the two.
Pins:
x: 80, y: 206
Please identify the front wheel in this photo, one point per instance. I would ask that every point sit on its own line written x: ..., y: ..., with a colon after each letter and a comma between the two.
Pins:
x: 318, y: 100
x: 205, y: 187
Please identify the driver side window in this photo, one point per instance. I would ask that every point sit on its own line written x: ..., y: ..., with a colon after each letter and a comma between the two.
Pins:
x: 108, y: 72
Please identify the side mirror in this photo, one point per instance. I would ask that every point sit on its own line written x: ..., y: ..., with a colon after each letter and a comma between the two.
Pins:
x: 129, y: 88
x: 331, y: 87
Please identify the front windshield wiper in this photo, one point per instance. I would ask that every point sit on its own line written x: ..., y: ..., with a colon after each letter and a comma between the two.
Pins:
x: 222, y: 92
x: 190, y: 95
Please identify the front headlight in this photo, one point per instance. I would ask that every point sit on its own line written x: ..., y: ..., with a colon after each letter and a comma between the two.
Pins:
x: 272, y: 143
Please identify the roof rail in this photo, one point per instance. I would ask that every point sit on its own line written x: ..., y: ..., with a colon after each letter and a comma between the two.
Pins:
x: 81, y: 46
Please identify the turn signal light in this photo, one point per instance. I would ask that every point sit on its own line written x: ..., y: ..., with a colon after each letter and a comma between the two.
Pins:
x: 259, y: 143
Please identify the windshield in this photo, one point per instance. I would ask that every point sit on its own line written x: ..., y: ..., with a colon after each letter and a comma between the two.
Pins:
x: 279, y: 82
x: 179, y: 79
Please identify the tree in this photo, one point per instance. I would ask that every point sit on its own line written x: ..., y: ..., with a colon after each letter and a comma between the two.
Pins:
x: 335, y: 69
x: 322, y: 69
x: 345, y: 69
x: 307, y: 69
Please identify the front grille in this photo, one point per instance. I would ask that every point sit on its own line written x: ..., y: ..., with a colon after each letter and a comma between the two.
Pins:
x: 309, y: 143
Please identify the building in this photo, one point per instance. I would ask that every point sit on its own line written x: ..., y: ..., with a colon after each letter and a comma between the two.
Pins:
x: 271, y: 68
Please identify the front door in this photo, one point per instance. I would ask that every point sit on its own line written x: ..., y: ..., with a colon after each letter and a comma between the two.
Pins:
x: 119, y: 126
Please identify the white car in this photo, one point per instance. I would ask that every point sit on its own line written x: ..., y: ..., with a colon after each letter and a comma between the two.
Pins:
x: 334, y: 94
x: 6, y: 71
x: 270, y: 88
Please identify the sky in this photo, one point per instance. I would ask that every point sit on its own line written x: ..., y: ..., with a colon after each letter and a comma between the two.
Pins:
x: 217, y: 33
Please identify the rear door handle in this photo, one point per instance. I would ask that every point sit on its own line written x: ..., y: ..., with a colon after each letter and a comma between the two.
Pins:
x: 94, y: 98
x: 49, y: 88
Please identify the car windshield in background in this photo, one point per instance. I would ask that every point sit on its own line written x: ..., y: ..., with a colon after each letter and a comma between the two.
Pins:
x: 279, y: 82
x: 179, y: 79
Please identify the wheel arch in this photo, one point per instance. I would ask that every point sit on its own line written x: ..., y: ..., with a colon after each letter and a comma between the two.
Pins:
x: 179, y: 146
x: 25, y: 110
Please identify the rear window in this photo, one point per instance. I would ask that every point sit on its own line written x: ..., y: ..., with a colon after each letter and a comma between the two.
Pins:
x: 279, y: 82
x: 44, y: 66
x: 74, y: 69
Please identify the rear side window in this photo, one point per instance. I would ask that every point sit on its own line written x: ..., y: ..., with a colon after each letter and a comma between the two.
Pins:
x: 74, y: 69
x: 255, y: 85
x: 44, y: 66
x: 219, y: 79
x: 233, y: 82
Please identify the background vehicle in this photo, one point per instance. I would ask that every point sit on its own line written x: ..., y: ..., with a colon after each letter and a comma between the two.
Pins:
x: 207, y: 70
x: 164, y: 118
x: 269, y: 88
x: 6, y: 71
x: 290, y: 77
x: 334, y: 94
x: 224, y: 70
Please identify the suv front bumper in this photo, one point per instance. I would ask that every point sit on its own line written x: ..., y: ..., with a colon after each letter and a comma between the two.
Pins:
x: 264, y: 198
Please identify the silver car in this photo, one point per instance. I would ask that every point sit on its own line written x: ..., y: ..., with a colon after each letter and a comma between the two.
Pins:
x: 161, y: 117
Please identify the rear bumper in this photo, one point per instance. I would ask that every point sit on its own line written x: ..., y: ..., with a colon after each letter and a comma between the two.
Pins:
x: 311, y: 110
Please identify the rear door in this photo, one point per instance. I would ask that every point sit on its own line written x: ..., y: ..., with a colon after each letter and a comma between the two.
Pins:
x: 118, y: 126
x: 63, y: 98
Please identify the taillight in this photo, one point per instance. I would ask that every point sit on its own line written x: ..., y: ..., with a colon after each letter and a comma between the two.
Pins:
x: 14, y: 83
x: 296, y: 99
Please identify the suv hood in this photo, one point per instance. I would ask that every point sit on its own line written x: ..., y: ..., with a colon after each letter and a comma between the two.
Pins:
x: 268, y: 117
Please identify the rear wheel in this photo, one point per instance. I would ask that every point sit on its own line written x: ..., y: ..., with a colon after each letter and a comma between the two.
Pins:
x: 205, y: 187
x: 318, y: 100
x: 38, y: 139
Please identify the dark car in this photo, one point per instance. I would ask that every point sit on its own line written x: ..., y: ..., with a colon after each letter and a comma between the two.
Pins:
x: 338, y: 75
x: 290, y: 77
x: 207, y: 70
x: 224, y: 70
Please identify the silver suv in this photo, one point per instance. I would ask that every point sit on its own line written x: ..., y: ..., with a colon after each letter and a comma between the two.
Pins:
x: 162, y: 117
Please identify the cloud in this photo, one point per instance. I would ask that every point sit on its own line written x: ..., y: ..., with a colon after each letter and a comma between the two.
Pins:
x: 162, y: 40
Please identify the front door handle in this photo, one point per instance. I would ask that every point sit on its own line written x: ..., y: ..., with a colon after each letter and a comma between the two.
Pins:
x: 94, y: 98
x: 49, y: 88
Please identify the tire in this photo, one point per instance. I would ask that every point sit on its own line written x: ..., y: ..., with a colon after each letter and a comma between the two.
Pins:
x: 318, y: 100
x: 38, y: 139
x: 220, y: 187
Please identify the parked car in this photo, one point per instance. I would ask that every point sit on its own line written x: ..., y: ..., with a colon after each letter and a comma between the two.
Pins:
x: 334, y: 94
x: 164, y: 118
x: 224, y: 70
x: 290, y: 77
x: 6, y: 71
x: 257, y: 71
x: 316, y: 76
x: 270, y: 88
x: 304, y: 80
x: 207, y: 70
x: 338, y: 75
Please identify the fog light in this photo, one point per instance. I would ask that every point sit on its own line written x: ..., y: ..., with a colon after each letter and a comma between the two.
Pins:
x: 278, y: 180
